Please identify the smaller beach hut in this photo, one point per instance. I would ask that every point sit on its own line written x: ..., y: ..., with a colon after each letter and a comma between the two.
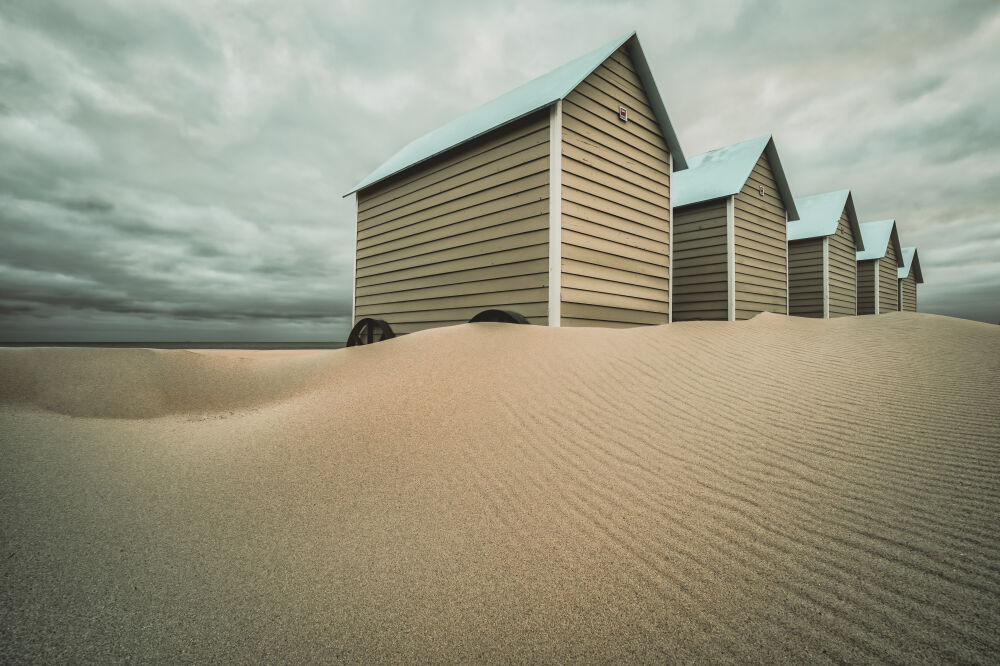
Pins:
x: 909, y: 276
x: 729, y: 252
x: 878, y: 264
x: 822, y: 246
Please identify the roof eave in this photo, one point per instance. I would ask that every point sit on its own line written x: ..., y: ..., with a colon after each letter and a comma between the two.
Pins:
x: 656, y: 101
x: 852, y: 218
x: 915, y: 268
x: 779, y: 176
x: 894, y: 239
x: 362, y: 185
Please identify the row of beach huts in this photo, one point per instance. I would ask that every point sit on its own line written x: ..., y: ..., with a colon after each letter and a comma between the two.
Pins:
x: 569, y: 202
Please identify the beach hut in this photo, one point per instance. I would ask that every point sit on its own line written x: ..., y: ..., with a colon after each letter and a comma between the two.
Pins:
x: 878, y: 264
x: 550, y: 204
x: 909, y: 277
x: 822, y: 245
x: 730, y: 255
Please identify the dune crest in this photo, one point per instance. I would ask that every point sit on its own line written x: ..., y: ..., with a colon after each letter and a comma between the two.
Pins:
x: 144, y: 383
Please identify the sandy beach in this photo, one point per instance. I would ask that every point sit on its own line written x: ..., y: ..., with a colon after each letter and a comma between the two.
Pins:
x: 775, y: 490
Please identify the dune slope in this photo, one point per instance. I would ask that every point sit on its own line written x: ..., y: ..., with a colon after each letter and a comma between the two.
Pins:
x: 776, y: 490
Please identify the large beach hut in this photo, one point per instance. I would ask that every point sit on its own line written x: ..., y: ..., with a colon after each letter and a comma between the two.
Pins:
x: 878, y: 264
x: 822, y: 246
x: 730, y: 255
x: 909, y: 277
x: 552, y: 201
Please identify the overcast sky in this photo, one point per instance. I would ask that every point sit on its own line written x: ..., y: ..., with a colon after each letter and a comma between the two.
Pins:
x: 175, y: 170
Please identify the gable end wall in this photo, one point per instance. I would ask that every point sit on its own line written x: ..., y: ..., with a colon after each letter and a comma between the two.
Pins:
x: 843, y: 270
x: 760, y: 245
x: 615, y: 203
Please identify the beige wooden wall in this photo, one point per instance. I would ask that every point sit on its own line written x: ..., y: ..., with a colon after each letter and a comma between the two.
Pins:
x: 760, y: 242
x: 888, y: 288
x: 700, y: 289
x: 615, y: 203
x: 866, y: 286
x: 805, y: 277
x: 462, y: 233
x: 908, y: 293
x: 843, y: 268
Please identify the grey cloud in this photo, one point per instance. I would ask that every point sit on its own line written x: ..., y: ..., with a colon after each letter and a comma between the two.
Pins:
x: 176, y: 169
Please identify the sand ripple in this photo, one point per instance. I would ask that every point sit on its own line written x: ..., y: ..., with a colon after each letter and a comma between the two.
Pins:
x: 774, y: 490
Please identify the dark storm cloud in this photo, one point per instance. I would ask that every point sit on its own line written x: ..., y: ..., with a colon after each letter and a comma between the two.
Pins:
x: 176, y: 169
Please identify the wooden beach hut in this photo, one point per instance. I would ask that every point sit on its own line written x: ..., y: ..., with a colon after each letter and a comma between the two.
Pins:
x: 909, y: 277
x: 552, y: 201
x: 822, y: 246
x: 878, y: 264
x: 730, y: 255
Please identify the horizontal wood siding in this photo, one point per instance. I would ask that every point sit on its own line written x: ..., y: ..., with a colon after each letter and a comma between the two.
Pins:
x: 888, y: 288
x: 761, y: 260
x: 700, y: 289
x: 805, y: 278
x: 615, y: 203
x: 464, y: 232
x: 866, y: 286
x: 908, y: 293
x: 843, y: 270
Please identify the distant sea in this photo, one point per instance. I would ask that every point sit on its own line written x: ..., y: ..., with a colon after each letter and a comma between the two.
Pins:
x: 183, y: 345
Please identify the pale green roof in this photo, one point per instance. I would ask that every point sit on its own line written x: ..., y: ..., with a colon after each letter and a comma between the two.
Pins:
x: 819, y: 215
x: 877, y: 236
x: 910, y: 261
x: 518, y: 103
x: 724, y: 171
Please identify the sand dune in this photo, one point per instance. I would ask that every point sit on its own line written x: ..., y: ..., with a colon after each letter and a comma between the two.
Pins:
x: 772, y: 490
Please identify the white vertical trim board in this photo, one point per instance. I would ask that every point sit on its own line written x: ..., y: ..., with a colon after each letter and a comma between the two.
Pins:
x: 354, y: 274
x: 788, y: 304
x: 555, y: 214
x: 875, y: 264
x: 670, y: 247
x: 731, y: 257
x: 826, y: 277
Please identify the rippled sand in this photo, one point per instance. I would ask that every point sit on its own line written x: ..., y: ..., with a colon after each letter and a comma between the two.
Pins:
x: 772, y: 490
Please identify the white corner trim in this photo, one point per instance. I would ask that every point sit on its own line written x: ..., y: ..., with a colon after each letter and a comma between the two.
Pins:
x: 826, y: 277
x: 670, y: 246
x: 875, y: 263
x: 788, y: 302
x: 354, y: 274
x: 555, y: 214
x: 731, y: 257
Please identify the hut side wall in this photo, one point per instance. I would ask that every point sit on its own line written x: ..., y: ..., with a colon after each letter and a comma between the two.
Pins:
x: 805, y: 278
x: 615, y: 203
x: 866, y: 286
x: 908, y: 293
x: 843, y: 270
x: 761, y: 247
x: 459, y: 234
x: 888, y: 288
x: 700, y: 289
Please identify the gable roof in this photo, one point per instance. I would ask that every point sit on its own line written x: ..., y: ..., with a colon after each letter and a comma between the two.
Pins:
x: 819, y: 215
x: 910, y: 261
x: 877, y: 236
x: 724, y: 171
x: 518, y: 103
